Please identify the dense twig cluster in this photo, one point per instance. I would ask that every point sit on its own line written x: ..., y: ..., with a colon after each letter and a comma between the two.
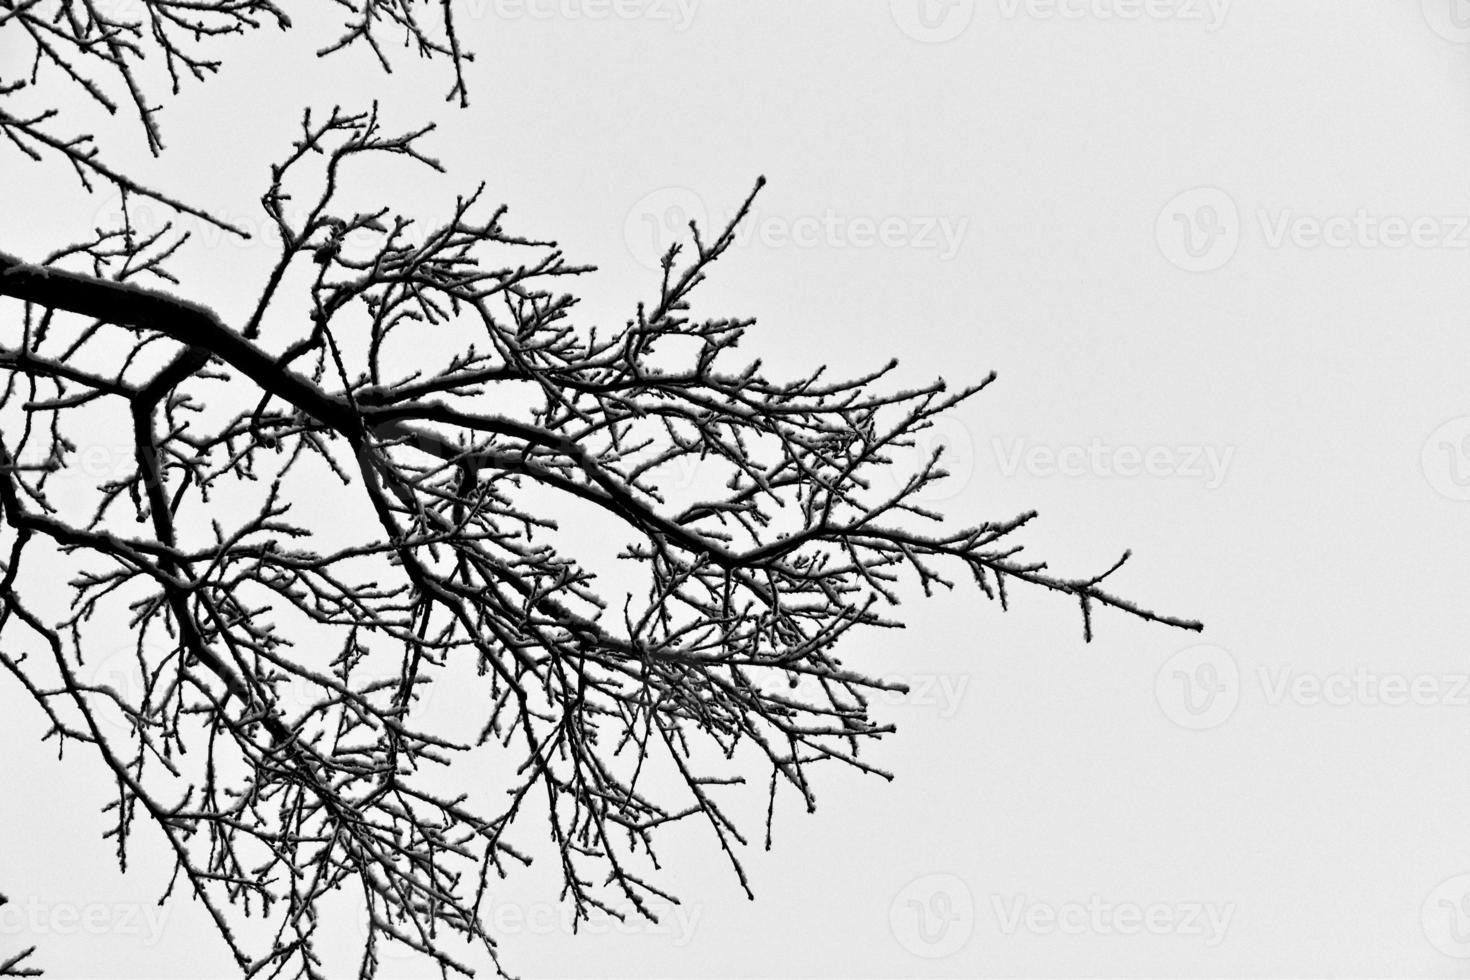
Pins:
x: 268, y: 712
x: 115, y: 55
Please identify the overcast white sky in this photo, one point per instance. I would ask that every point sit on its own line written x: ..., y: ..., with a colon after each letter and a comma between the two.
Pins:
x: 1219, y: 253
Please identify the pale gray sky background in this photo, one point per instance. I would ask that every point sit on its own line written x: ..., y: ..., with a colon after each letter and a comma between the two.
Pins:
x: 1219, y: 253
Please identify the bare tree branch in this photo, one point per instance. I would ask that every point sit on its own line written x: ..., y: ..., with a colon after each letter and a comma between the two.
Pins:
x: 14, y: 965
x: 269, y: 714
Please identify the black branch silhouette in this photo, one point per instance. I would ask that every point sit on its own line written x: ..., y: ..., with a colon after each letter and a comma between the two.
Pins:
x: 14, y: 964
x: 371, y: 484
